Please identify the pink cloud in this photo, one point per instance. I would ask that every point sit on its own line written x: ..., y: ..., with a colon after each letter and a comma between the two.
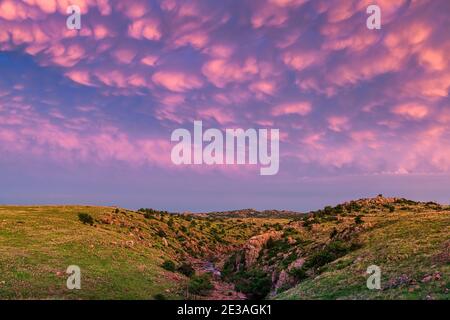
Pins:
x: 300, y: 108
x: 411, y: 111
x: 149, y: 60
x: 221, y: 72
x: 263, y: 86
x: 338, y: 123
x: 177, y: 81
x: 218, y: 114
x: 124, y: 55
x: 145, y: 28
x: 79, y: 76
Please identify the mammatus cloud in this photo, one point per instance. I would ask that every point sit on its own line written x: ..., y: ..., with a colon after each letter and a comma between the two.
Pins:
x: 345, y: 98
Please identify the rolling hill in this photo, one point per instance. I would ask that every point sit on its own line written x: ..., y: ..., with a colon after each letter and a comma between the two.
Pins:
x: 244, y: 254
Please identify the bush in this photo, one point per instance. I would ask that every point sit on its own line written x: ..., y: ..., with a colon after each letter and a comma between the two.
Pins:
x: 148, y: 215
x: 186, y: 269
x: 298, y: 273
x: 86, y: 218
x: 159, y: 296
x: 200, y: 285
x: 254, y: 283
x: 331, y: 252
x: 161, y: 233
x: 333, y: 233
x: 169, y: 265
x: 359, y: 220
x: 276, y: 246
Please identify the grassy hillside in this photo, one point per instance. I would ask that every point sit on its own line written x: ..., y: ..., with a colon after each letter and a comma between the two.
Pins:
x: 120, y: 255
x: 411, y: 245
x: 148, y: 254
x: 37, y: 244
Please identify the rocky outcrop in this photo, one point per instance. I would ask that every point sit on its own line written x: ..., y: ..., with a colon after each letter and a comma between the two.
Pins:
x: 254, y: 245
x: 284, y: 278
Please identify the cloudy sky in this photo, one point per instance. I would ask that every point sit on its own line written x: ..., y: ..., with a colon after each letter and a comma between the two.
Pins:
x: 86, y: 116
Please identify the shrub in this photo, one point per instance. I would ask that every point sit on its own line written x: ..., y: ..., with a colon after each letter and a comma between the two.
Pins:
x: 276, y: 246
x: 161, y: 233
x: 307, y: 224
x: 149, y: 215
x: 159, y: 296
x: 200, y: 285
x: 359, y: 220
x: 254, y: 283
x: 298, y: 273
x: 86, y: 218
x: 186, y: 269
x: 331, y: 252
x: 333, y: 233
x: 169, y: 265
x: 289, y: 259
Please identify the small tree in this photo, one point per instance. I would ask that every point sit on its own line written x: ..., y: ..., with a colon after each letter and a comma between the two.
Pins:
x: 201, y: 284
x: 359, y: 220
x: 333, y: 233
x: 169, y: 265
x: 186, y: 269
x: 161, y: 233
x: 86, y: 218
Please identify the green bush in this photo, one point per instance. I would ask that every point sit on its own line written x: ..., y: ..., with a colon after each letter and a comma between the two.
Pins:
x: 169, y: 265
x: 200, y: 285
x: 298, y: 273
x: 161, y: 233
x: 359, y: 220
x: 331, y: 252
x: 333, y: 233
x: 149, y: 215
x: 159, y: 296
x: 254, y: 283
x: 86, y: 218
x: 186, y: 269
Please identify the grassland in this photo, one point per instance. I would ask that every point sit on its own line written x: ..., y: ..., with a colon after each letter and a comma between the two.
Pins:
x: 410, y: 248
x: 319, y: 255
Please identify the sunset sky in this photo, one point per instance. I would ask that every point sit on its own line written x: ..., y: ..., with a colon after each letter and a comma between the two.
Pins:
x: 86, y: 116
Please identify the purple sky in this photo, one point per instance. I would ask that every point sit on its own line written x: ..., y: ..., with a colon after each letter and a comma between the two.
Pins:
x: 86, y: 116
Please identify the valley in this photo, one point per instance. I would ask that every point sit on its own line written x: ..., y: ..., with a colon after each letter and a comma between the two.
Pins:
x: 234, y: 255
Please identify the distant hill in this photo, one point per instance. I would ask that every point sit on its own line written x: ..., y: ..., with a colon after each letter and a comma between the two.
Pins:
x: 151, y: 254
x: 252, y: 213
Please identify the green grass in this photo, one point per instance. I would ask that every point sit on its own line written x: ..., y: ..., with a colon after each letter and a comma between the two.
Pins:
x: 401, y: 244
x: 121, y: 255
x: 37, y: 244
